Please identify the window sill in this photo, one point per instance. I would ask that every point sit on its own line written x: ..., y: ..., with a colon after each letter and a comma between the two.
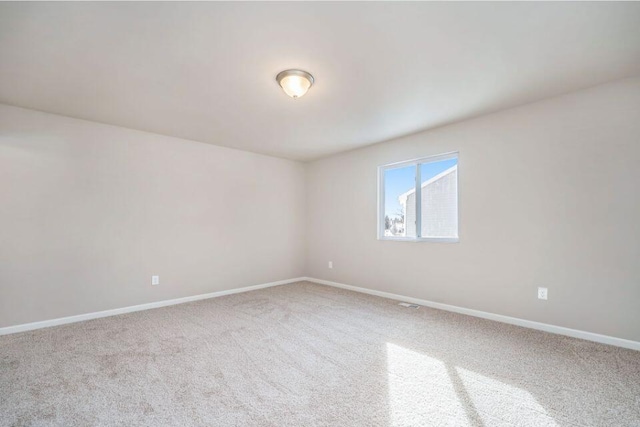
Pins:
x: 421, y: 239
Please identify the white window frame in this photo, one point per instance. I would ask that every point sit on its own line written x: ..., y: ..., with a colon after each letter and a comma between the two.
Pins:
x: 381, y: 198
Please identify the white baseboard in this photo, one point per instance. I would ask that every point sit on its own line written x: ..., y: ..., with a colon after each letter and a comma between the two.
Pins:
x: 98, y: 314
x: 589, y: 336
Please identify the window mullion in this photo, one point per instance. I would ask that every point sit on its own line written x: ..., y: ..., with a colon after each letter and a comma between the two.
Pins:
x: 381, y: 202
x: 418, y: 203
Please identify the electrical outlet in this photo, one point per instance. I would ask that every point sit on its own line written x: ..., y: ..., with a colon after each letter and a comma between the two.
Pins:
x: 155, y: 280
x: 542, y: 293
x: 330, y: 264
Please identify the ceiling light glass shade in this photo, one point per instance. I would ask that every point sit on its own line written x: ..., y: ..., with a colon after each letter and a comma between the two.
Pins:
x: 295, y: 83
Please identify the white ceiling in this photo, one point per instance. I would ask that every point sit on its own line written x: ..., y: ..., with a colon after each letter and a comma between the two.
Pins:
x: 206, y: 71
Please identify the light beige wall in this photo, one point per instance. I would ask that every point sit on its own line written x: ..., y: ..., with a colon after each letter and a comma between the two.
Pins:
x: 89, y: 212
x: 549, y: 196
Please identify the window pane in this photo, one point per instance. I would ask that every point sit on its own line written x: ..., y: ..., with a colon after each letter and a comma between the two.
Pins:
x: 399, y: 212
x: 439, y: 216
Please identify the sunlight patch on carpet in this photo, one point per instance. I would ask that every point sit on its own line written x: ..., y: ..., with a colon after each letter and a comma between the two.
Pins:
x: 495, y: 399
x: 420, y: 390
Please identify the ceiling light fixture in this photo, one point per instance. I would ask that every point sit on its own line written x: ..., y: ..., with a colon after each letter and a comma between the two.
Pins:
x: 294, y: 83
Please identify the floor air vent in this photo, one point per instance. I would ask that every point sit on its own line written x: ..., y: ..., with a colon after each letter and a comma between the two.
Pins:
x: 409, y: 305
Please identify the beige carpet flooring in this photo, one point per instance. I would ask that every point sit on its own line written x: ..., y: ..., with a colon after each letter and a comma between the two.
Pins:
x: 310, y: 355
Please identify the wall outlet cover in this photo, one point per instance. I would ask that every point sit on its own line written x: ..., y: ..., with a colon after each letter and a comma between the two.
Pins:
x: 542, y: 293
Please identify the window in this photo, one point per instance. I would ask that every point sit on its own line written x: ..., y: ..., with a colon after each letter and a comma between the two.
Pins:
x: 418, y: 199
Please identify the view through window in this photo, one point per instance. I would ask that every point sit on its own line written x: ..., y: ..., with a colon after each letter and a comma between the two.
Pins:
x: 425, y: 212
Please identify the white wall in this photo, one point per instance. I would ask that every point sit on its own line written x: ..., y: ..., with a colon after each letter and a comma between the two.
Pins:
x: 89, y: 212
x: 548, y: 197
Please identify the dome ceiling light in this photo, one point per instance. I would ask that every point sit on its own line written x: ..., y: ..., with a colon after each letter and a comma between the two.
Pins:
x: 294, y: 83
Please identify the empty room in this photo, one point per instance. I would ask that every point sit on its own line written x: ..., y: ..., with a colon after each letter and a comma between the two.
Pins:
x: 380, y: 214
